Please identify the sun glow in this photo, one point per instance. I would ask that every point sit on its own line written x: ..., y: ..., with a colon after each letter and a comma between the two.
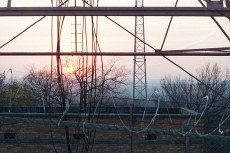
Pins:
x: 70, y: 69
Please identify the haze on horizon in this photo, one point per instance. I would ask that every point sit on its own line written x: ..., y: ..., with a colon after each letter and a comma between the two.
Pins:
x: 185, y: 33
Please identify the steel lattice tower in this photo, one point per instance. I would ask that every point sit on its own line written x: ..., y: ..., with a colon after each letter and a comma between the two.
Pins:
x: 76, y: 31
x: 139, y: 74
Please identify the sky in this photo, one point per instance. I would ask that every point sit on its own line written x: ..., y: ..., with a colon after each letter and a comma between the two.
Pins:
x: 185, y: 33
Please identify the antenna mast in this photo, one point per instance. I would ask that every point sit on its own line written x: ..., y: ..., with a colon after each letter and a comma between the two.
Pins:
x: 139, y: 74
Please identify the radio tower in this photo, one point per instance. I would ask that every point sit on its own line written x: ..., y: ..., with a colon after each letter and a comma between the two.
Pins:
x: 139, y: 74
x: 76, y: 31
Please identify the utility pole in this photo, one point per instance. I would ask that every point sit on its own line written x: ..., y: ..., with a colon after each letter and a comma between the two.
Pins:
x: 11, y: 87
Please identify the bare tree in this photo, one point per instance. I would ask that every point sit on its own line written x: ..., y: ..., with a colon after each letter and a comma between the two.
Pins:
x: 97, y: 83
x: 2, y: 79
x: 81, y: 86
x: 196, y: 96
x: 2, y: 87
x: 43, y: 87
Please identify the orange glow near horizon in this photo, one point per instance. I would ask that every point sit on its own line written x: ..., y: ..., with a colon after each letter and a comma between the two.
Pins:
x: 70, y: 69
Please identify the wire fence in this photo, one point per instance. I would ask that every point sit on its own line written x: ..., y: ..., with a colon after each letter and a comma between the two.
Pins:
x: 172, y: 134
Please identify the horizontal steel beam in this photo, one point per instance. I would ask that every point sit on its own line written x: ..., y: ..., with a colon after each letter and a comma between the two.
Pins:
x: 111, y: 141
x: 166, y: 53
x: 113, y: 11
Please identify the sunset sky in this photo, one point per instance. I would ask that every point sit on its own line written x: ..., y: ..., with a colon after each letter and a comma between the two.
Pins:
x: 185, y: 33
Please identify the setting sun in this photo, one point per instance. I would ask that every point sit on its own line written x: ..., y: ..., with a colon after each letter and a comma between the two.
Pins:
x: 70, y: 66
x: 70, y: 69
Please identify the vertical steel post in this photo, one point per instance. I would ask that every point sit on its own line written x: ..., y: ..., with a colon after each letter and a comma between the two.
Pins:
x: 187, y: 144
x: 9, y: 3
x: 11, y: 88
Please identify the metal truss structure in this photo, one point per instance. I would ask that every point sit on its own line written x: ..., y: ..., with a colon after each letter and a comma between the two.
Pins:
x: 76, y: 32
x: 139, y: 89
x: 139, y: 72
